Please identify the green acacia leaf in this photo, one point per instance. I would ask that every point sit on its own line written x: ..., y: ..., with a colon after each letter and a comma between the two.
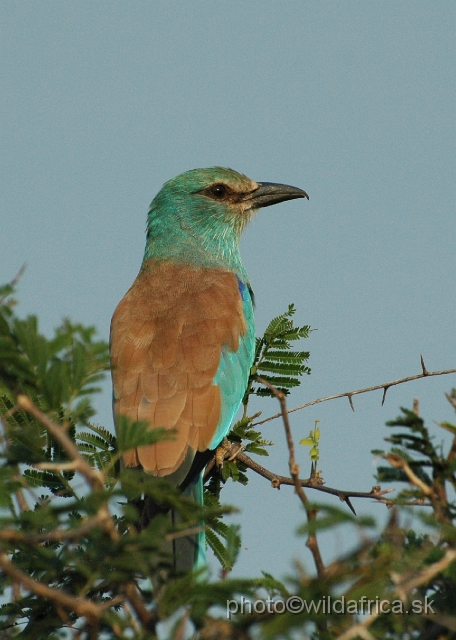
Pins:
x: 136, y: 433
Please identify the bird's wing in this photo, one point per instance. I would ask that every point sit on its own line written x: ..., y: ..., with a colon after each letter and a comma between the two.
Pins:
x: 181, y: 351
x: 233, y: 371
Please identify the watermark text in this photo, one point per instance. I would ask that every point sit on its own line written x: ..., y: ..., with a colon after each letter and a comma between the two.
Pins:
x: 327, y: 605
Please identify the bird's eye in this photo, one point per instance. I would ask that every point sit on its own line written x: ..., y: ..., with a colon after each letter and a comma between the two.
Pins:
x: 218, y: 191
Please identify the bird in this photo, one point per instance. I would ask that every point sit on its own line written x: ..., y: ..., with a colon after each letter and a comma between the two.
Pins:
x: 182, y: 338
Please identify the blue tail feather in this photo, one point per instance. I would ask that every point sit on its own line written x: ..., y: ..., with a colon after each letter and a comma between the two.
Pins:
x: 195, y: 492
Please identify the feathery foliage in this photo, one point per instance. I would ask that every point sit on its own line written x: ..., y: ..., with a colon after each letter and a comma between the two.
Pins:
x: 275, y: 360
x: 73, y: 563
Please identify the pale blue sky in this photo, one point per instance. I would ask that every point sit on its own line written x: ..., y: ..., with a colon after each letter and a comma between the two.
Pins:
x: 352, y: 101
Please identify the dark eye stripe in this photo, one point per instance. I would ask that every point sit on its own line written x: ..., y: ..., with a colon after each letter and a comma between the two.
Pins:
x: 218, y: 191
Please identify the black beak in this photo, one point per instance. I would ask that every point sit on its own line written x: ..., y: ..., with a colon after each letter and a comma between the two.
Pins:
x: 269, y: 193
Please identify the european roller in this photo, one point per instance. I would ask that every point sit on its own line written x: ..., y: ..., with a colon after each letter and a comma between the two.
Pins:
x: 183, y: 337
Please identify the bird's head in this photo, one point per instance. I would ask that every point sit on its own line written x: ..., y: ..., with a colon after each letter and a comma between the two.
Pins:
x: 210, y: 207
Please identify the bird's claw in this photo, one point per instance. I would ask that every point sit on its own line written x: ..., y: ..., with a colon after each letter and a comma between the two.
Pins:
x: 235, y: 450
x: 221, y: 451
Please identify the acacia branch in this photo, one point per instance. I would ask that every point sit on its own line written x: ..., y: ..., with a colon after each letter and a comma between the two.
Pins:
x: 312, y: 542
x: 399, y: 463
x: 57, y: 466
x: 147, y: 619
x: 426, y: 574
x: 184, y: 533
x: 376, y: 493
x: 13, y: 282
x: 349, y: 394
x: 451, y: 400
x: 19, y: 494
x: 402, y: 589
x: 59, y: 535
x: 21, y: 499
x: 93, y: 477
x: 81, y: 606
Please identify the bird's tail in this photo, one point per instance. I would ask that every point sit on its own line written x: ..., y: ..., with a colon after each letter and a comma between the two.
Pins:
x: 189, y: 551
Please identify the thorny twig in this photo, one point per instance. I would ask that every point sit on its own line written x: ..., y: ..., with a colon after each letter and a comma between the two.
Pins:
x: 95, y: 479
x: 399, y: 463
x: 376, y: 493
x: 58, y: 535
x: 81, y: 606
x: 14, y: 282
x: 311, y: 513
x: 402, y: 589
x: 349, y: 394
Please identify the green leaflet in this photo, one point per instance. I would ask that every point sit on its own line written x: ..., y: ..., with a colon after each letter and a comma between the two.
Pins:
x: 135, y: 433
x: 276, y: 361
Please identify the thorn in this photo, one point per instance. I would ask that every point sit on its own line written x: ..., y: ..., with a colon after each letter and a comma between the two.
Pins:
x: 385, y: 389
x: 425, y: 371
x: 313, y: 469
x: 346, y: 499
x: 349, y: 396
